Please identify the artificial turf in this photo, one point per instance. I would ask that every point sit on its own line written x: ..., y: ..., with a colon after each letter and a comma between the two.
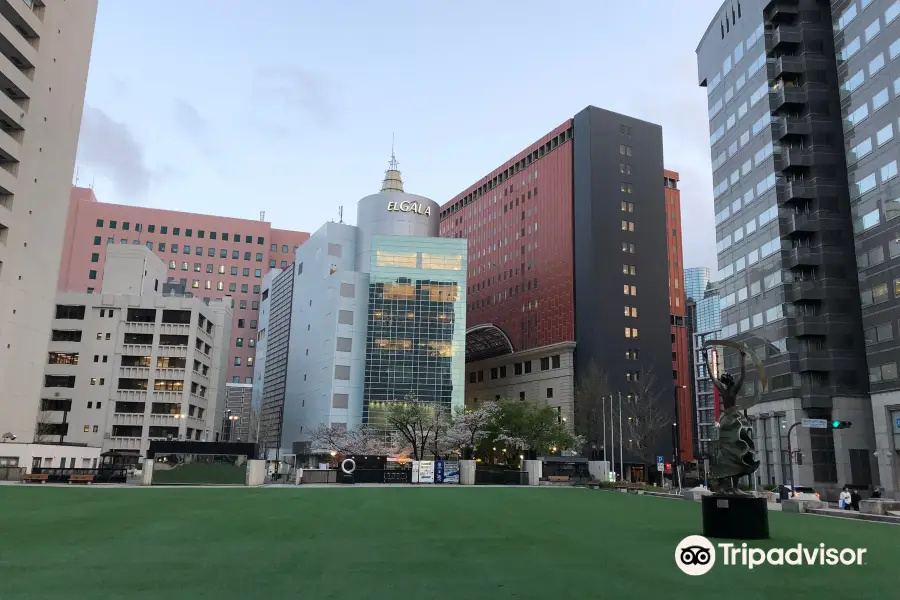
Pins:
x: 431, y: 543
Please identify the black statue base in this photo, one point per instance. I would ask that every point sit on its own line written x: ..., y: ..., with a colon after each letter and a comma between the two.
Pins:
x: 345, y: 478
x: 735, y: 517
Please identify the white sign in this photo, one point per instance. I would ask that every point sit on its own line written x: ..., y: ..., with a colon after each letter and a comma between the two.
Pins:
x: 815, y: 423
x: 660, y: 467
x: 406, y: 206
x: 426, y: 471
x: 415, y: 472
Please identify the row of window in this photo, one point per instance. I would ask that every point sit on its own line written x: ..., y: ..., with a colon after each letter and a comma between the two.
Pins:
x: 185, y: 249
x: 717, y: 79
x: 519, y: 368
x: 851, y: 12
x: 747, y: 229
x: 201, y: 234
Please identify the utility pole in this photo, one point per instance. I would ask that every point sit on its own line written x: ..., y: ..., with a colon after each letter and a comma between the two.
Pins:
x: 603, y: 413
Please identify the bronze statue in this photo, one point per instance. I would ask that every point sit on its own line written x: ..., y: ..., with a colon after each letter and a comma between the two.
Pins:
x: 735, y: 452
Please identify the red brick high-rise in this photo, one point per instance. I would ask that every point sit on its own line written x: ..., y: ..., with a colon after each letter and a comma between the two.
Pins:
x: 680, y: 368
x: 561, y: 237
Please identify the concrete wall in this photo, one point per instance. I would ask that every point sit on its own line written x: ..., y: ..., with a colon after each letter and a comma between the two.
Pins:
x: 42, y: 137
x: 50, y: 455
x: 132, y: 270
x: 885, y: 412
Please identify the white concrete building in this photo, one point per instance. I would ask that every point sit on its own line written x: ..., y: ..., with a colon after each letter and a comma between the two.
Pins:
x: 48, y: 456
x: 45, y: 49
x: 132, y: 363
x: 369, y: 315
x: 544, y: 375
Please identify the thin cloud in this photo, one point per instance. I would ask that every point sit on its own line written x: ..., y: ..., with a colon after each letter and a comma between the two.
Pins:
x: 111, y: 149
x: 193, y: 125
x: 300, y: 91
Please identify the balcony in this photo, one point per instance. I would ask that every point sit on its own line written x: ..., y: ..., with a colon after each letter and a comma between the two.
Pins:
x: 16, y: 84
x: 788, y: 65
x: 782, y: 11
x: 125, y: 443
x: 801, y: 257
x: 172, y: 351
x: 137, y: 349
x: 167, y: 397
x: 131, y: 395
x: 203, y: 378
x: 785, y: 36
x: 135, y: 372
x: 8, y: 181
x: 813, y: 360
x: 791, y: 191
x: 128, y: 419
x: 783, y: 127
x: 808, y: 326
x: 165, y: 420
x: 174, y: 328
x: 805, y: 291
x: 136, y: 327
x: 787, y: 97
x: 793, y: 159
x: 169, y: 374
x: 801, y: 223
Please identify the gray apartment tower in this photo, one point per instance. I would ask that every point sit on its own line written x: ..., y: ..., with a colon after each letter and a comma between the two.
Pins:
x: 786, y: 109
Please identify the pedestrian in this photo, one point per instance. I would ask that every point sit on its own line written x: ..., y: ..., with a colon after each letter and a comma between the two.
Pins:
x: 876, y: 493
x: 844, y: 501
x: 855, y: 498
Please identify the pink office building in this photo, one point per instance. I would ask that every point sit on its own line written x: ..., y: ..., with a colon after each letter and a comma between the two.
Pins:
x: 213, y: 256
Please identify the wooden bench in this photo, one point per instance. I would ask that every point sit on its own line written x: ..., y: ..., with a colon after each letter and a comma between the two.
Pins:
x: 81, y: 479
x: 36, y: 477
x: 558, y: 478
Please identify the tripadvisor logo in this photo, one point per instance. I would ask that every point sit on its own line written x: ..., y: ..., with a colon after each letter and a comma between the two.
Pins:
x: 696, y: 555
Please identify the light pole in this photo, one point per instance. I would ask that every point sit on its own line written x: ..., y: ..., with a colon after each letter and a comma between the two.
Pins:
x: 179, y: 417
x: 231, y: 418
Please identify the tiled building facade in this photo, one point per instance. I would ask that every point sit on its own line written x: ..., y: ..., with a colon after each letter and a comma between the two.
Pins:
x: 212, y: 256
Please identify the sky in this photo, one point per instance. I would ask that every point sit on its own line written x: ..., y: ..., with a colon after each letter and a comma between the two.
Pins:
x: 233, y: 107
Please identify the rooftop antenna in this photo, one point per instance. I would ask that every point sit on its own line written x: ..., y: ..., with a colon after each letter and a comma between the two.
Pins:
x: 77, y: 169
x: 392, y: 180
x: 340, y: 214
x: 262, y: 215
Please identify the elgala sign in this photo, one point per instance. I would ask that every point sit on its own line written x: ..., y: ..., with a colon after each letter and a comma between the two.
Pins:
x: 406, y: 206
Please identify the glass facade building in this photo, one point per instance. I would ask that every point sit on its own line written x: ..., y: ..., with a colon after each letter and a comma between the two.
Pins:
x: 368, y: 315
x: 695, y: 281
x: 415, y: 345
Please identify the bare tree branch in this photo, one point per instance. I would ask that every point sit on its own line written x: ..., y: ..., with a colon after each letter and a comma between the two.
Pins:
x: 645, y: 415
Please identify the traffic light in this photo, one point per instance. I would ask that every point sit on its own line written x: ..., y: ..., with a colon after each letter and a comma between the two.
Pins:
x: 840, y: 424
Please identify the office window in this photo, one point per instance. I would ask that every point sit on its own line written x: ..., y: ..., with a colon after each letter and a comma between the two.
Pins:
x: 246, y: 271
x: 92, y: 274
x: 259, y: 257
x: 257, y: 273
x: 188, y: 232
x: 234, y: 270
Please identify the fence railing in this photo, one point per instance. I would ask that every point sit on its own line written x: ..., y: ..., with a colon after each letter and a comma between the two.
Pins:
x: 57, y: 475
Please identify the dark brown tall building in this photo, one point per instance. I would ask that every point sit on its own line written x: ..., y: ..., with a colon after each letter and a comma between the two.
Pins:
x: 567, y: 256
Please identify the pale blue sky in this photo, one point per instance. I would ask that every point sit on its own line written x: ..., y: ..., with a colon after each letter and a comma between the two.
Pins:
x: 237, y: 106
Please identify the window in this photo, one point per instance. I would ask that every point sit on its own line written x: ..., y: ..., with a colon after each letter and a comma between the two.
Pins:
x: 876, y: 64
x: 884, y: 134
x: 889, y: 171
x: 891, y: 13
x: 259, y: 257
x: 98, y: 240
x: 237, y: 361
x: 880, y: 99
x: 625, y: 150
x: 872, y: 30
x: 92, y: 274
x: 274, y: 248
x: 555, y: 361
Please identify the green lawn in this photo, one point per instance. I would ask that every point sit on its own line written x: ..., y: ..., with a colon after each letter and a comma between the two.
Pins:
x: 421, y: 543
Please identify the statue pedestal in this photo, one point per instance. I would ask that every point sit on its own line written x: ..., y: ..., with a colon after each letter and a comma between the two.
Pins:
x: 735, y: 517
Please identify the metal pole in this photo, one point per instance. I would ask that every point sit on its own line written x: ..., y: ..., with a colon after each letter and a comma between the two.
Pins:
x: 791, y: 458
x: 603, y: 413
x: 621, y: 455
x: 612, y: 434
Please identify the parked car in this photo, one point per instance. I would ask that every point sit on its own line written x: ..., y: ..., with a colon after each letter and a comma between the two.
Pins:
x: 797, y: 492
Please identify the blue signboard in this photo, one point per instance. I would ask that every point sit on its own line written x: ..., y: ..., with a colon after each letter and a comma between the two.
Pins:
x: 439, y: 471
x: 898, y: 422
x: 659, y: 459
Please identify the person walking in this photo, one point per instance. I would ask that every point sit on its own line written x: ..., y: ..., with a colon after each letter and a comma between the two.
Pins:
x: 844, y: 501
